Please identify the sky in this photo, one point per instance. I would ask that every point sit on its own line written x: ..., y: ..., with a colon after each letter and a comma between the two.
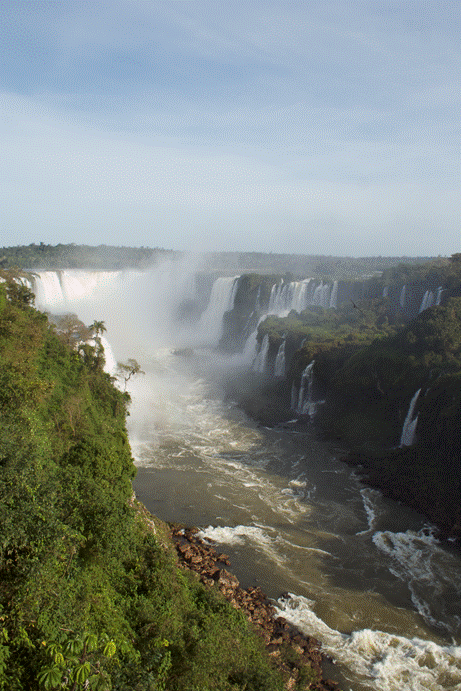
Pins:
x: 314, y: 127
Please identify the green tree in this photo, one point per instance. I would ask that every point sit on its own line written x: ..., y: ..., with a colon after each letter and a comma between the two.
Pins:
x: 128, y: 369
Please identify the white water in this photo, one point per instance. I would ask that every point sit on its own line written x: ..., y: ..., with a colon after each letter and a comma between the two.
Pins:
x: 367, y: 578
x: 383, y: 661
x: 260, y: 361
x: 403, y: 294
x: 407, y: 437
x: 305, y: 403
x: 427, y: 301
x: 221, y: 300
x: 285, y: 297
x: 279, y: 367
x: 297, y: 295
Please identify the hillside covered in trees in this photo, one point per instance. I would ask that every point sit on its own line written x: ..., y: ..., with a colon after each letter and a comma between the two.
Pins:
x: 91, y: 596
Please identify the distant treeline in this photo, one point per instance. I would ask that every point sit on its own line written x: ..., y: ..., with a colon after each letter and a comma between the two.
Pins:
x: 105, y: 257
x: 74, y: 256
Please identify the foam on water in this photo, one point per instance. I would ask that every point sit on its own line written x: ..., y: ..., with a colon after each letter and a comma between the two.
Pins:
x: 255, y: 536
x: 381, y: 661
x: 430, y: 572
x: 369, y: 498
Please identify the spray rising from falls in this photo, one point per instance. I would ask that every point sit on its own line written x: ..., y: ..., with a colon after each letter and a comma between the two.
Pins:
x: 150, y: 316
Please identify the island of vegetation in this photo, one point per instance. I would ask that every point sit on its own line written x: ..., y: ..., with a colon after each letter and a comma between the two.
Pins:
x: 92, y: 595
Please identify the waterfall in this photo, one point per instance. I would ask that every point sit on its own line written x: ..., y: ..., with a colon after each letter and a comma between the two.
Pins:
x: 280, y: 298
x: 110, y: 365
x: 279, y: 368
x: 427, y: 301
x: 334, y: 295
x: 301, y: 294
x: 297, y: 295
x: 258, y: 301
x: 385, y: 291
x: 321, y: 295
x: 439, y: 296
x: 260, y: 361
x: 403, y: 296
x: 221, y: 300
x: 409, y: 426
x: 305, y: 400
x: 59, y: 290
x: 149, y: 300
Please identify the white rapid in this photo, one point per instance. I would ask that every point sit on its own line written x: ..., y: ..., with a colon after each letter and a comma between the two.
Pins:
x: 365, y: 575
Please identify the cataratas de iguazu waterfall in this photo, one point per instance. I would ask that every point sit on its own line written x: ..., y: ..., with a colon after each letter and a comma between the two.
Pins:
x: 365, y: 575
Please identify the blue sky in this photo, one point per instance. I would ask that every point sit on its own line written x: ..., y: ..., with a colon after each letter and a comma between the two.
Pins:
x: 315, y: 127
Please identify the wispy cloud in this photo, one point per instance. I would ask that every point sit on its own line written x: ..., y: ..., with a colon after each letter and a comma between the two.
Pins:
x: 273, y: 126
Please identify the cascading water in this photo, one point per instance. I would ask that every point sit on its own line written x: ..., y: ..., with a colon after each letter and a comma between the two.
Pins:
x: 334, y: 295
x: 402, y: 299
x: 279, y: 366
x: 260, y: 361
x: 427, y: 301
x: 297, y: 295
x: 293, y: 295
x: 306, y: 404
x: 221, y: 300
x: 407, y: 437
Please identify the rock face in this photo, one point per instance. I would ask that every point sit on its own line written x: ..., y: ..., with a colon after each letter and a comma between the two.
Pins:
x: 277, y: 633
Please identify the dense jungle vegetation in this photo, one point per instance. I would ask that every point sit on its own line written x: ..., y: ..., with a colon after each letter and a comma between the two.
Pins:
x: 91, y: 596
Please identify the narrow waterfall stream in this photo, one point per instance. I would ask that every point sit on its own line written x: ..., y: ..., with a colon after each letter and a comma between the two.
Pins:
x: 363, y: 574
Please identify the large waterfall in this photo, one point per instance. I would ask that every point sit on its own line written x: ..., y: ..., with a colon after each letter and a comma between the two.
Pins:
x: 221, y: 301
x: 150, y: 301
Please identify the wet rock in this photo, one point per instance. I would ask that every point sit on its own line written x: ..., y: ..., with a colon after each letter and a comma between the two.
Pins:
x: 203, y: 560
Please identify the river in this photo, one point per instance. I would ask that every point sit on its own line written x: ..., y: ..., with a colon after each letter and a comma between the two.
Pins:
x: 363, y: 574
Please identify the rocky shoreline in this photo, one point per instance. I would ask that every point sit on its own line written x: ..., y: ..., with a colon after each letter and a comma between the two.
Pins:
x: 294, y: 653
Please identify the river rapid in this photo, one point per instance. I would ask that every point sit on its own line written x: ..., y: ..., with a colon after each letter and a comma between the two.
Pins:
x: 361, y: 573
